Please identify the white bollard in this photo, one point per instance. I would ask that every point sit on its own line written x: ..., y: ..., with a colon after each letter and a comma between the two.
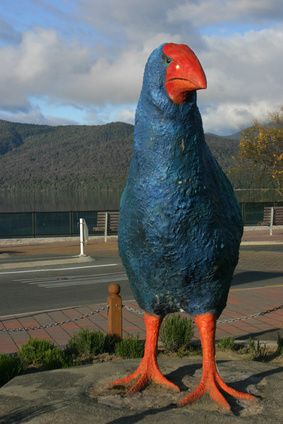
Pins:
x: 271, y: 221
x: 106, y: 227
x: 83, y: 236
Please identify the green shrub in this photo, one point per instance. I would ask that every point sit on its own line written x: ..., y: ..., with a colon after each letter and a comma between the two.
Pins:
x: 279, y: 350
x: 10, y: 366
x: 226, y: 343
x: 176, y: 333
x: 54, y: 358
x: 131, y: 347
x: 87, y: 343
x: 41, y: 353
x: 257, y: 351
x: 110, y: 343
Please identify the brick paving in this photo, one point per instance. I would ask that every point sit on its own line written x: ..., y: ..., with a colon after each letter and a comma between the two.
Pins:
x: 241, y: 302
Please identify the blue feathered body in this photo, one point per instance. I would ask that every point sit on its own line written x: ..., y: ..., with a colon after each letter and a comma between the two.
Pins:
x: 180, y: 224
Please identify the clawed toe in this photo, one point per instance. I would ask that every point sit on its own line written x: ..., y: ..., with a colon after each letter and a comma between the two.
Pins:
x: 139, y: 385
x: 124, y: 381
x: 213, y: 385
x: 232, y: 392
x: 142, y: 379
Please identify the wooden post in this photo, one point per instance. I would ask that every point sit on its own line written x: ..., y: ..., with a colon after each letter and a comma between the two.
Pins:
x: 114, y: 303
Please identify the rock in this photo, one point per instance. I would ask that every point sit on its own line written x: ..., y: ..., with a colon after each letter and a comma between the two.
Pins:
x: 81, y: 395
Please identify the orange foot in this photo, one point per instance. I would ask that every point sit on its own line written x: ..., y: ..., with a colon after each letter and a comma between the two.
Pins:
x: 148, y: 370
x: 211, y: 383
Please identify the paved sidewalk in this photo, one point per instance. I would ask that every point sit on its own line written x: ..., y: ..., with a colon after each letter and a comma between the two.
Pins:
x: 242, y: 302
x: 261, y: 235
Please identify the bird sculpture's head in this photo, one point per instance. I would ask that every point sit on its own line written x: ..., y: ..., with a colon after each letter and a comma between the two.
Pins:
x: 184, y: 72
x: 172, y: 75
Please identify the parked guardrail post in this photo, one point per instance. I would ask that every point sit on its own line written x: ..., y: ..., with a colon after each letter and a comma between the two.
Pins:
x: 114, y: 303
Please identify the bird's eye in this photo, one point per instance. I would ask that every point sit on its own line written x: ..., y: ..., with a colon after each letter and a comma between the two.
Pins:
x: 167, y: 60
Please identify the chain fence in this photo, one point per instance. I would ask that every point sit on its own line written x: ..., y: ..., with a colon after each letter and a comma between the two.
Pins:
x: 129, y: 309
x: 247, y: 317
x: 51, y: 324
x: 221, y: 321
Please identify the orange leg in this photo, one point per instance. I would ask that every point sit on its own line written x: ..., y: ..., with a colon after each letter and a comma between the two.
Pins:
x: 211, y: 382
x: 148, y: 369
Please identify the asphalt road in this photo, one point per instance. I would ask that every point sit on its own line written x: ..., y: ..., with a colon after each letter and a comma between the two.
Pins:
x: 37, y: 289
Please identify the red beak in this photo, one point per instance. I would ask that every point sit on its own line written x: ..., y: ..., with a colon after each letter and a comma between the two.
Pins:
x: 184, y: 72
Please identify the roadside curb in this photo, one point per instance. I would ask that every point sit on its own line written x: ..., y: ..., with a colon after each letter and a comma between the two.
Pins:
x: 33, y: 313
x: 12, y: 242
x: 47, y: 262
x: 262, y: 243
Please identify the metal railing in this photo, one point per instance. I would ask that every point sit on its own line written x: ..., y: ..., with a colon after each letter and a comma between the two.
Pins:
x: 52, y: 224
x: 66, y: 223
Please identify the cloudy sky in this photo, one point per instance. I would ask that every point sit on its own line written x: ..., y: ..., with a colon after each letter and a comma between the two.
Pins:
x: 81, y: 61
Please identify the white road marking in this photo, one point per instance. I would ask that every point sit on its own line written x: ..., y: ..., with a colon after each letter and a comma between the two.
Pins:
x: 55, y: 269
x: 258, y: 287
x: 75, y: 281
x: 31, y: 313
x: 38, y: 258
x: 65, y: 278
x: 55, y: 285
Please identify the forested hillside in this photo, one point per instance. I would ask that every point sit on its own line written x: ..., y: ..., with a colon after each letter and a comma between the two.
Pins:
x: 13, y: 134
x: 44, y: 157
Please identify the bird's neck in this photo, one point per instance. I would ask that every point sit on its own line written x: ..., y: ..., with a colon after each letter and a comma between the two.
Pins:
x: 171, y: 136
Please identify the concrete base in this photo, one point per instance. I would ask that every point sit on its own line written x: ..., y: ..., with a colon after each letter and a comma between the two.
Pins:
x: 81, y: 395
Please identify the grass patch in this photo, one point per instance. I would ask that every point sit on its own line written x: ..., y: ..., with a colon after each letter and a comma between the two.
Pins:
x: 131, y: 347
x: 258, y: 351
x: 279, y: 350
x: 10, y: 367
x: 86, y: 344
x: 41, y: 354
x: 226, y: 343
x: 176, y: 334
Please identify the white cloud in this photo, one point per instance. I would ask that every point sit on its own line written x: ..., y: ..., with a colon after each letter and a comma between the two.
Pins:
x: 39, y: 65
x: 244, y: 78
x: 133, y: 19
x: 126, y: 115
x: 130, y: 23
x: 245, y: 67
x: 43, y: 64
x: 244, y: 72
x: 229, y: 118
x: 215, y: 11
x: 34, y: 116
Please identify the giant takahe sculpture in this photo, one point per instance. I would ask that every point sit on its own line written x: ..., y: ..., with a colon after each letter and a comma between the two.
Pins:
x: 180, y: 224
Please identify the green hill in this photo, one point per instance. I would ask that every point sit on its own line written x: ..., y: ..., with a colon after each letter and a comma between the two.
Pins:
x: 46, y: 157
